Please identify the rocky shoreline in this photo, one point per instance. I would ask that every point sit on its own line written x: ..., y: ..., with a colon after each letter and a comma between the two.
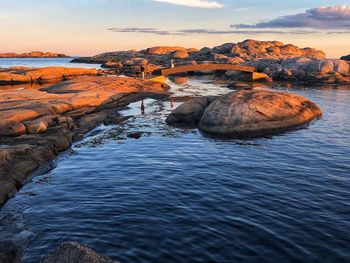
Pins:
x: 37, y: 124
x: 279, y: 61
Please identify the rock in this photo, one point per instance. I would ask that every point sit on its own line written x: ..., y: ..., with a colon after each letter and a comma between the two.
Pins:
x: 257, y: 112
x: 35, y: 127
x: 135, y: 135
x: 188, y: 113
x: 12, y: 128
x: 347, y: 58
x: 66, y: 122
x: 87, y: 101
x: 72, y: 252
x: 9, y: 253
x: 223, y: 49
x: 112, y: 64
x: 326, y: 66
x: 180, y: 54
x: 239, y: 86
x: 40, y: 75
x: 192, y: 49
x: 163, y: 50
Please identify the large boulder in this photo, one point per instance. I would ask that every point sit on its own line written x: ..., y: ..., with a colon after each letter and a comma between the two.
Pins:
x: 257, y: 112
x: 72, y: 252
x: 188, y: 113
x: 326, y: 66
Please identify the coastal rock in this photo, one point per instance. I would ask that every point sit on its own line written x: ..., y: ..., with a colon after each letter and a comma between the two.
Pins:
x: 164, y: 50
x: 180, y: 54
x: 188, y: 113
x: 112, y: 64
x: 35, y: 127
x: 254, y: 50
x: 257, y: 112
x: 72, y: 252
x: 40, y: 75
x: 347, y: 58
x: 53, y: 112
x: 12, y: 128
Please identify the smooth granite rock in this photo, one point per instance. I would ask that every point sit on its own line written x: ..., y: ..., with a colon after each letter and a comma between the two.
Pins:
x: 257, y: 112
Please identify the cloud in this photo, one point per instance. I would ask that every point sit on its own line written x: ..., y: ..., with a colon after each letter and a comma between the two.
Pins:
x: 183, y: 32
x: 153, y: 31
x: 193, y: 3
x: 335, y: 17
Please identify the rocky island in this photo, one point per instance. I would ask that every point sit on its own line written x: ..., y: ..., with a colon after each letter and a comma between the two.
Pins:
x: 279, y: 61
x: 33, y: 54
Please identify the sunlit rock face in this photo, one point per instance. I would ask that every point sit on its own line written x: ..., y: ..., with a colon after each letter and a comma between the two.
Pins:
x: 277, y: 60
x: 38, y: 123
x: 180, y: 54
x: 257, y: 112
x: 17, y: 75
x: 163, y: 50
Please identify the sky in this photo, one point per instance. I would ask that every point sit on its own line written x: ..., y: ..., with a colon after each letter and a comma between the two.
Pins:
x: 89, y: 27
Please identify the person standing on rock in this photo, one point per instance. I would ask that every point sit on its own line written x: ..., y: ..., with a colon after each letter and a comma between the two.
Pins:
x: 172, y: 64
x: 142, y: 72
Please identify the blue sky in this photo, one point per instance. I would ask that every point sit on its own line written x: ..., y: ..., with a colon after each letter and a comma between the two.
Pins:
x: 81, y: 27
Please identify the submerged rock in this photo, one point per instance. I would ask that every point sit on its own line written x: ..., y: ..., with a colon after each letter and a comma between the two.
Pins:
x: 257, y: 112
x: 188, y: 113
x: 72, y: 252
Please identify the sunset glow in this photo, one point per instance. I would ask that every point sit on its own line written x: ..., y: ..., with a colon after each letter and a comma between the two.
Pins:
x: 82, y: 27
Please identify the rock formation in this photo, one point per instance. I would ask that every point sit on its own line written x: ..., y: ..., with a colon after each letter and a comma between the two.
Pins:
x: 257, y: 112
x: 72, y: 252
x: 33, y: 54
x: 17, y: 75
x: 278, y: 60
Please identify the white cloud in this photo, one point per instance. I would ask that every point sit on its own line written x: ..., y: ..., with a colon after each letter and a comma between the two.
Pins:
x: 193, y: 3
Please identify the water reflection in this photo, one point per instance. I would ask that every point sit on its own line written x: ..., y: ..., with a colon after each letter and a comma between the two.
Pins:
x: 174, y: 194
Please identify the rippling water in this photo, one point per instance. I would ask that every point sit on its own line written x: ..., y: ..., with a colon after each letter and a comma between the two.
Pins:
x: 176, y: 196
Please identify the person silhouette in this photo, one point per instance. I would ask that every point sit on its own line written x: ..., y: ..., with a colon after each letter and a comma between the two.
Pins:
x: 142, y: 72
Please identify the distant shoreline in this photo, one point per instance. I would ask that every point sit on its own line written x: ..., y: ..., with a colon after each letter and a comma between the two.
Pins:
x: 33, y: 54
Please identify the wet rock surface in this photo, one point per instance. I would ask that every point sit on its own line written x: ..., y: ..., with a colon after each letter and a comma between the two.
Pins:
x: 72, y: 252
x: 257, y: 112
